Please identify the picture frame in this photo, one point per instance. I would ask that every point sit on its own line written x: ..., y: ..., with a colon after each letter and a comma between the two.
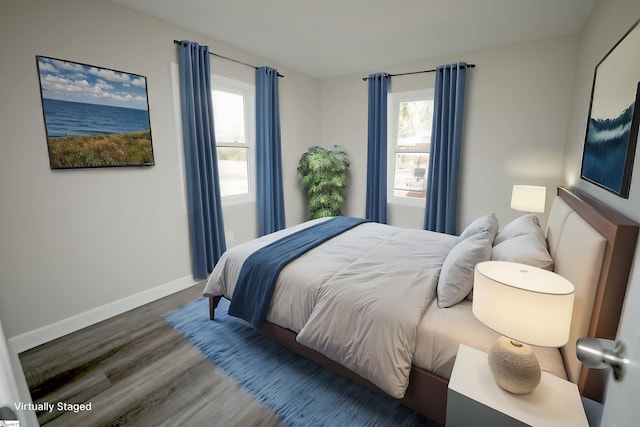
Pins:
x: 94, y: 117
x: 612, y: 126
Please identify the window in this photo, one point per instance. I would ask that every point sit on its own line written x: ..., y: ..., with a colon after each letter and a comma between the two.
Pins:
x: 410, y: 116
x: 233, y: 115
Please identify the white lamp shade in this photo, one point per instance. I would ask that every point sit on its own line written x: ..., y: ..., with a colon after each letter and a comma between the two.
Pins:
x: 528, y: 198
x: 525, y: 303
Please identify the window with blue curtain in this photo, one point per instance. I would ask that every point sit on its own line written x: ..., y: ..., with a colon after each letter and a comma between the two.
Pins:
x: 234, y: 121
x: 410, y: 124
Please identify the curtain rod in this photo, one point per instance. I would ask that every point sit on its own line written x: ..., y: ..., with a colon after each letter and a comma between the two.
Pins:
x: 227, y: 58
x: 418, y: 72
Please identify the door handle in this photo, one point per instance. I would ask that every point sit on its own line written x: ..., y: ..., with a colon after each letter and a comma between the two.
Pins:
x: 600, y: 353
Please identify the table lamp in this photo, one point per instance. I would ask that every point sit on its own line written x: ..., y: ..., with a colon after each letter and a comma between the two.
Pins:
x: 528, y: 198
x: 528, y: 306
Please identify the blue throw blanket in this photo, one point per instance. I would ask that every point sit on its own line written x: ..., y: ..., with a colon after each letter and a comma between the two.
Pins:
x: 257, y: 279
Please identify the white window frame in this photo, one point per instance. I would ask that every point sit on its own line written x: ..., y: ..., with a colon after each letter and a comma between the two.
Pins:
x: 394, y: 100
x: 248, y: 91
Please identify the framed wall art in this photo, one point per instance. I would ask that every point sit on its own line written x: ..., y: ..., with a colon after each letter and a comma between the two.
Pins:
x: 612, y: 127
x: 94, y: 117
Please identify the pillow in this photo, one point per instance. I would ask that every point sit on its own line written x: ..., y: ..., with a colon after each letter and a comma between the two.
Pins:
x: 526, y: 224
x: 456, y: 276
x: 487, y: 223
x: 526, y: 249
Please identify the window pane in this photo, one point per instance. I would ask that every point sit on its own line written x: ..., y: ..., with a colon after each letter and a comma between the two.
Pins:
x: 228, y: 113
x: 410, y: 175
x: 414, y: 125
x: 233, y: 170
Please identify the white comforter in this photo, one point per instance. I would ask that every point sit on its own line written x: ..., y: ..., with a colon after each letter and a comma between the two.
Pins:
x: 358, y: 298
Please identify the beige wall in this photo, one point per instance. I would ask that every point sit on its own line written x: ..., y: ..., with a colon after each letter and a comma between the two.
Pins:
x: 608, y: 23
x: 74, y: 240
x: 516, y: 114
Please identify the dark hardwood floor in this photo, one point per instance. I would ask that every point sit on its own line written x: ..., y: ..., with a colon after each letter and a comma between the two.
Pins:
x: 134, y: 369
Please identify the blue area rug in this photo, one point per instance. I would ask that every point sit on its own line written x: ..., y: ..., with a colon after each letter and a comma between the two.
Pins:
x: 300, y: 392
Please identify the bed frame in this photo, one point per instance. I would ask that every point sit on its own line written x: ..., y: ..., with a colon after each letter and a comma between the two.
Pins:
x: 427, y: 392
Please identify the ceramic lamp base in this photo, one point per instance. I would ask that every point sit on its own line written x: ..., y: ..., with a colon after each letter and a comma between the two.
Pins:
x: 514, y: 366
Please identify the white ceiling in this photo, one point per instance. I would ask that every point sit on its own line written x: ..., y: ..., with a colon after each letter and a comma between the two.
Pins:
x: 329, y: 38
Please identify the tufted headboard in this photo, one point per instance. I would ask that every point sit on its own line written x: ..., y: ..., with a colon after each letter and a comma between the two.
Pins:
x: 592, y: 246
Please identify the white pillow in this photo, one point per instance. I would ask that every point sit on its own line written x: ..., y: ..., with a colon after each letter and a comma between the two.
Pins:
x: 525, y: 224
x: 526, y: 249
x: 487, y: 223
x: 456, y: 277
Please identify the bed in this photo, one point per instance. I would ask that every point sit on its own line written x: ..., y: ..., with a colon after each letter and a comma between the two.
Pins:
x: 322, y: 307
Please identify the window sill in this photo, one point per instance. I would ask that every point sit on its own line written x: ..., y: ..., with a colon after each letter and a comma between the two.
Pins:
x: 238, y: 200
x: 416, y: 203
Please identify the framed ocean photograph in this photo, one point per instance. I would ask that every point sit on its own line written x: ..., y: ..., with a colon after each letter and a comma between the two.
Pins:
x: 94, y: 117
x: 612, y: 127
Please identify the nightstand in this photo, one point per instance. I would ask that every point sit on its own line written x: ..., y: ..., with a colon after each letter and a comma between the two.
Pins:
x: 474, y: 399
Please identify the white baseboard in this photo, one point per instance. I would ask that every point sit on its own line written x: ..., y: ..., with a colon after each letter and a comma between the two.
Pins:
x: 31, y: 339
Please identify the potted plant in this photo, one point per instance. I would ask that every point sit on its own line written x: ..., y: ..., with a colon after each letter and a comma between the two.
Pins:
x: 325, y: 174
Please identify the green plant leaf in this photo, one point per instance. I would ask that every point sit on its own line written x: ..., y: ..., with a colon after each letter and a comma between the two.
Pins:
x: 325, y: 174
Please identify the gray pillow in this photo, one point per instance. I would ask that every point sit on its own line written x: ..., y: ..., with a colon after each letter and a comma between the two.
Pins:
x: 456, y: 277
x: 526, y: 249
x: 487, y: 223
x: 525, y: 224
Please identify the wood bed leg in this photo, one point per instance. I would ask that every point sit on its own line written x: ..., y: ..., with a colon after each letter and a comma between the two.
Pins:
x: 213, y: 303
